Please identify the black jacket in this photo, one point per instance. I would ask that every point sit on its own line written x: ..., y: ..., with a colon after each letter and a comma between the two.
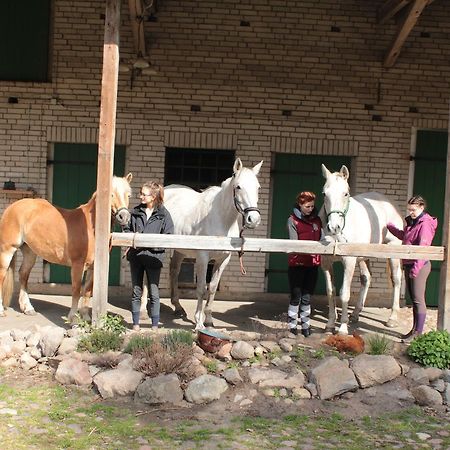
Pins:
x: 159, y: 222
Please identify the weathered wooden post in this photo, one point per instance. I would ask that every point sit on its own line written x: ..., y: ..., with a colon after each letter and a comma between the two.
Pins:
x: 106, y: 143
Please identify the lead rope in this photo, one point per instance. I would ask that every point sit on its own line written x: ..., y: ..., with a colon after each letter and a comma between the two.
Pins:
x: 241, y: 251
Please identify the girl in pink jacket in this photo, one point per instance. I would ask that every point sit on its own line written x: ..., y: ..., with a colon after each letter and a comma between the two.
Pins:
x: 419, y: 230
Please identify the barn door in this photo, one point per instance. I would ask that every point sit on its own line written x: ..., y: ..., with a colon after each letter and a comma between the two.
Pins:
x: 429, y: 182
x: 292, y: 174
x: 74, y: 181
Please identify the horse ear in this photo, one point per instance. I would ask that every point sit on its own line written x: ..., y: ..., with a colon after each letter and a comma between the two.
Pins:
x: 325, y: 172
x: 344, y: 172
x: 237, y: 165
x: 257, y: 168
x: 129, y: 177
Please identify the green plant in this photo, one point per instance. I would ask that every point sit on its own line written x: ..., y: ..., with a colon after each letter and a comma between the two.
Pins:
x: 175, y: 338
x: 319, y: 354
x: 378, y: 344
x: 211, y: 366
x: 431, y: 349
x: 138, y: 341
x: 98, y: 341
x: 113, y: 323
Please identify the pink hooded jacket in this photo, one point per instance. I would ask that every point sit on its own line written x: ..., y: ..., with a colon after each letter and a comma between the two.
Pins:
x: 418, y: 232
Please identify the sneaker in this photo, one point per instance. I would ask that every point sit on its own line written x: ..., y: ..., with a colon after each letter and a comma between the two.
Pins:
x: 136, y: 328
x: 294, y: 331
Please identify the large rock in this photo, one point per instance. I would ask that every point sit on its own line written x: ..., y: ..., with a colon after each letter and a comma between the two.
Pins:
x: 117, y: 382
x: 333, y: 377
x: 73, y: 371
x: 160, y: 389
x: 242, y: 350
x: 205, y: 389
x: 51, y: 338
x: 375, y: 369
x: 427, y: 396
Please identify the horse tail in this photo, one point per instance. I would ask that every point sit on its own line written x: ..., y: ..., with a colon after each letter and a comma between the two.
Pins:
x: 8, y: 283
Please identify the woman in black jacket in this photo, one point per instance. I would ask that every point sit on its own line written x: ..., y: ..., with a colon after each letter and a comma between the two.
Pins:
x: 150, y: 216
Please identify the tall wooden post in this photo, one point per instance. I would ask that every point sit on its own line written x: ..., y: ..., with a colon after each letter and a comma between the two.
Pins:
x: 106, y: 142
x: 443, y: 320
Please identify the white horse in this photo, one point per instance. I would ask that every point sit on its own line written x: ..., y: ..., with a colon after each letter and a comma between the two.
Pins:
x: 213, y: 212
x: 359, y: 219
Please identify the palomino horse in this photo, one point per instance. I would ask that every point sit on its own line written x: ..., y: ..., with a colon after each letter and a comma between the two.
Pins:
x: 213, y: 212
x: 359, y: 219
x: 60, y: 236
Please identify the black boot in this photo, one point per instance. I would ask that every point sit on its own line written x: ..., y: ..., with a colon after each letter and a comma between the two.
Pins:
x: 294, y: 331
x: 306, y: 332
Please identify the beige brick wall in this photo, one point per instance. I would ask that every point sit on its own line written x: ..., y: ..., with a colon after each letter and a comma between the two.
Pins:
x: 288, y: 58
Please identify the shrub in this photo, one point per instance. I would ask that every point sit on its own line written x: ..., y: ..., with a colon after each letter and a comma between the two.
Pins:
x: 157, y: 359
x: 138, y: 341
x: 98, y: 341
x: 378, y: 344
x: 113, y: 323
x: 431, y: 349
x: 176, y: 338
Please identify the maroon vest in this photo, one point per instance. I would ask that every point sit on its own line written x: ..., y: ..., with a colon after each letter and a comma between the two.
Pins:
x: 307, y: 230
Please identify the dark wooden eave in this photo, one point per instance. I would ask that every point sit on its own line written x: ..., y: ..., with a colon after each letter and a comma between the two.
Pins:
x: 407, y: 13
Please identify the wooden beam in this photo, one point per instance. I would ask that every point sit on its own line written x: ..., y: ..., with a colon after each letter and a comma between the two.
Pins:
x: 443, y: 319
x: 137, y: 26
x: 389, y: 9
x: 276, y: 245
x: 408, y: 23
x: 107, y: 132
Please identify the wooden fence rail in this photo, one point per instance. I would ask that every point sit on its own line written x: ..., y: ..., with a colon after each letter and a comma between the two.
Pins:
x: 433, y: 253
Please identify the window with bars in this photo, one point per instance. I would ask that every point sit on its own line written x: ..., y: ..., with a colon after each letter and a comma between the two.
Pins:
x: 198, y: 169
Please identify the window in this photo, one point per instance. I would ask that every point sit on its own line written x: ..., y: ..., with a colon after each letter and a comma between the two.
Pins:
x: 24, y: 40
x: 198, y: 169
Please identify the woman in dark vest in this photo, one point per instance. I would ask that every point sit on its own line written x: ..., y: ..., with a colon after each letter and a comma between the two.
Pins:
x: 150, y: 216
x: 303, y: 224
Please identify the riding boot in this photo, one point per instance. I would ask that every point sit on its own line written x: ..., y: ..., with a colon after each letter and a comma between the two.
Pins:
x: 420, y: 323
x: 292, y: 317
x: 305, y: 312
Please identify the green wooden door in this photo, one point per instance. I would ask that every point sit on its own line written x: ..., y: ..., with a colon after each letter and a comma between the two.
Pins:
x: 292, y: 174
x: 74, y: 181
x: 429, y: 182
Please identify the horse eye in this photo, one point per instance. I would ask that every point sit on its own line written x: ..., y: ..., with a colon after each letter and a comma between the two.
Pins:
x: 238, y: 187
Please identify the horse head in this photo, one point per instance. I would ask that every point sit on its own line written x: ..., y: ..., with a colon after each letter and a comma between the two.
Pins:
x: 121, y: 193
x: 336, y: 198
x: 245, y: 193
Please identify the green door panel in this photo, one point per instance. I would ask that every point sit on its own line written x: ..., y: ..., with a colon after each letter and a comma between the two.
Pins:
x: 429, y: 182
x: 74, y: 181
x: 291, y: 175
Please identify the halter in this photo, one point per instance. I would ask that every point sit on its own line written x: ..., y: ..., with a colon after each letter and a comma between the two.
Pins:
x: 118, y: 211
x: 339, y: 213
x: 243, y: 212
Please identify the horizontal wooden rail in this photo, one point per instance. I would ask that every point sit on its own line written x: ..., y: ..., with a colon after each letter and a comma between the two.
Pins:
x: 276, y: 245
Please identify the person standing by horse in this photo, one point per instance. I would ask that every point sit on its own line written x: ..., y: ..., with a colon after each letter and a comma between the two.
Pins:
x: 150, y: 216
x: 419, y: 230
x: 303, y: 224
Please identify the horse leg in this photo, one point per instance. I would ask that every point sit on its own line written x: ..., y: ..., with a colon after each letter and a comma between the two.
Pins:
x: 86, y: 294
x: 29, y: 258
x: 365, y: 278
x: 202, y: 267
x: 76, y: 273
x: 218, y: 269
x: 175, y: 266
x: 396, y: 276
x: 7, y: 263
x: 327, y: 267
x: 349, y: 270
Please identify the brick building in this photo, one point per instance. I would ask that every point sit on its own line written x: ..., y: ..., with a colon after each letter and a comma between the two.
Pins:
x: 294, y: 83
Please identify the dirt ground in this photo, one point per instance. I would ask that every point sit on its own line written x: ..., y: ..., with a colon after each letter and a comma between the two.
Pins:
x: 263, y: 317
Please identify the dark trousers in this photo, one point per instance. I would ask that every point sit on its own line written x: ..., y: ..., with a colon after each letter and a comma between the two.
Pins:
x: 302, y: 283
x: 151, y: 266
x: 416, y: 289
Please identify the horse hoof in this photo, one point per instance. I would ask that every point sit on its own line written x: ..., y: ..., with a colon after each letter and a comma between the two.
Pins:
x: 2, y: 314
x: 30, y: 312
x: 209, y: 324
x: 392, y: 323
x: 329, y: 330
x: 180, y: 313
x: 354, y: 319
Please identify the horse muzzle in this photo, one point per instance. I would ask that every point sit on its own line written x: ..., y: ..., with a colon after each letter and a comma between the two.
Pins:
x: 122, y: 216
x: 252, y: 218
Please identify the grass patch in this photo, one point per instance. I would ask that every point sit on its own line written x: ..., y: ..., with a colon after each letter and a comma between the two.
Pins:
x: 379, y: 344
